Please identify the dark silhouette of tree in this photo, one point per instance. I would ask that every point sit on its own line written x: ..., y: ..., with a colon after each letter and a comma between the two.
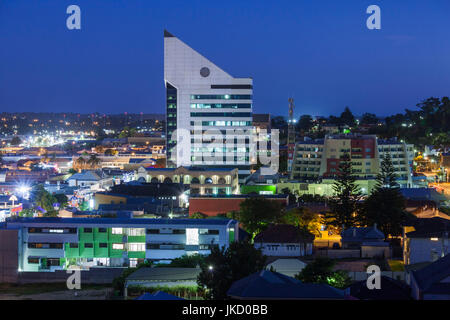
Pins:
x: 345, y: 204
x: 369, y: 118
x: 348, y: 118
x: 225, y: 266
x: 321, y: 271
x: 385, y: 206
x: 257, y: 213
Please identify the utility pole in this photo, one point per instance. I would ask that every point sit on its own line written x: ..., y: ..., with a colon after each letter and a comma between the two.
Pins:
x: 291, y: 135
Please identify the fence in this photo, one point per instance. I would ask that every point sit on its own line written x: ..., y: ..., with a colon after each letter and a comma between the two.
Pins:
x: 338, y: 253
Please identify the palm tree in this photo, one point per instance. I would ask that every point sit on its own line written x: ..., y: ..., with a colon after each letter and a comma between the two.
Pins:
x: 93, y: 161
x: 80, y: 162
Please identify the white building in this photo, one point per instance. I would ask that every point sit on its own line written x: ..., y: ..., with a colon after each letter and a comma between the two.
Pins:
x: 284, y: 241
x: 426, y: 241
x: 202, y: 95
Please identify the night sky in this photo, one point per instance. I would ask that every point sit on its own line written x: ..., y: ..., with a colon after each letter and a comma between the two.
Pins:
x: 319, y: 52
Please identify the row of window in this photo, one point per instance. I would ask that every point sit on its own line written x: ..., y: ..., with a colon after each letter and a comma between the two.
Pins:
x: 222, y: 114
x: 121, y: 231
x: 117, y: 246
x: 53, y: 230
x: 221, y: 105
x: 222, y: 123
x: 221, y: 97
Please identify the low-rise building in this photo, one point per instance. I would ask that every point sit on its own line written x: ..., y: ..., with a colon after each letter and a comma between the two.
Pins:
x: 94, y: 179
x: 211, y: 205
x: 369, y: 240
x: 201, y: 180
x: 433, y: 281
x: 425, y: 240
x: 284, y: 240
x: 273, y: 285
x: 49, y: 244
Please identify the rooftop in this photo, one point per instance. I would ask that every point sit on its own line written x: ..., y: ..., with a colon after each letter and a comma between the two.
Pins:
x: 119, y: 221
x: 274, y: 285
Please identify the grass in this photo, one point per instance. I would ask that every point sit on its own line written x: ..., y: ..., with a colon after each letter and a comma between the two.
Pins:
x: 36, y: 288
x: 396, y: 265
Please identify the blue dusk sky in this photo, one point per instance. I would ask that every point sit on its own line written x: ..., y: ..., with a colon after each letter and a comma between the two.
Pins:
x: 319, y: 52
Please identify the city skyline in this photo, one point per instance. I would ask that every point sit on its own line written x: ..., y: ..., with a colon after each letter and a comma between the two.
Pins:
x: 320, y: 56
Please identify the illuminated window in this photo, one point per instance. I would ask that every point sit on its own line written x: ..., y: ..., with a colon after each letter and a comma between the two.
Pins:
x: 117, y: 230
x: 191, y: 236
x: 136, y: 247
x: 117, y: 246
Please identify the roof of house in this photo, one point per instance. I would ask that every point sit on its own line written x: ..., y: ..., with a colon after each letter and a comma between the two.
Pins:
x: 87, y: 175
x: 429, y: 227
x: 283, y: 233
x: 274, y: 285
x: 287, y: 266
x: 390, y: 290
x: 149, y: 189
x: 119, y: 221
x: 367, y: 234
x: 422, y: 194
x: 429, y: 278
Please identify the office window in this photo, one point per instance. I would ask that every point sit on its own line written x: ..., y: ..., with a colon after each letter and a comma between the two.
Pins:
x: 88, y: 245
x: 136, y: 231
x: 136, y: 247
x: 152, y: 231
x: 73, y: 245
x: 117, y: 230
x: 87, y: 230
x: 32, y: 260
x: 102, y: 230
x: 103, y: 245
x: 117, y: 246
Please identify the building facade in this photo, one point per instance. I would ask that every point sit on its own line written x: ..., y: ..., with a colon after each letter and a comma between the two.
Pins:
x: 200, y: 180
x: 320, y: 159
x: 204, y: 102
x: 49, y: 244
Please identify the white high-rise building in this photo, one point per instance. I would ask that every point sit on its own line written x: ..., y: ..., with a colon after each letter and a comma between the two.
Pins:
x: 204, y: 102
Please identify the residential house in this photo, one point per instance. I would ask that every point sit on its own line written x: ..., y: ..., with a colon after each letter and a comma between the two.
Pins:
x: 433, y: 281
x: 283, y: 240
x: 276, y: 286
x: 369, y: 240
x: 425, y: 240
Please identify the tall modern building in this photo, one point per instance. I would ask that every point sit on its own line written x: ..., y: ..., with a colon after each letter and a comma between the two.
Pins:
x: 203, y: 103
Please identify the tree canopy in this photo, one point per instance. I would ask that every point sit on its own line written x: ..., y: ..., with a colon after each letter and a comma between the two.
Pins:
x: 225, y: 266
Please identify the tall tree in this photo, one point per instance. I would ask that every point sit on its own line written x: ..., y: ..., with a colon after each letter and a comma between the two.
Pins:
x: 225, y: 266
x: 348, y: 118
x: 344, y: 204
x: 305, y: 123
x: 386, y: 205
x: 387, y: 177
x: 94, y: 161
x: 369, y: 118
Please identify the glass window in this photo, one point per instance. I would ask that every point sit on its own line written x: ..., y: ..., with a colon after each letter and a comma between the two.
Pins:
x: 117, y: 230
x: 117, y: 246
